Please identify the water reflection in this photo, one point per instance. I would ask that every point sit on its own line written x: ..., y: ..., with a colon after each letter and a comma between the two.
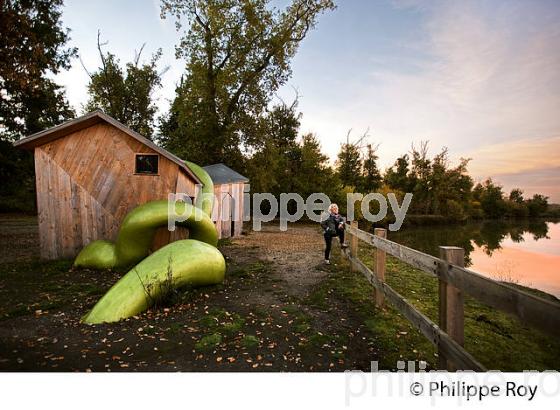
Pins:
x: 525, y: 252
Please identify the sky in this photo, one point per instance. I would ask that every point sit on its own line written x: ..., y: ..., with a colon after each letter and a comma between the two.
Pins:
x: 481, y: 78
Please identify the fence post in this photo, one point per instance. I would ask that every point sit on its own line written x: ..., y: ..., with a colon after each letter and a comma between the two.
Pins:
x: 380, y: 257
x: 451, y: 305
x: 353, y: 245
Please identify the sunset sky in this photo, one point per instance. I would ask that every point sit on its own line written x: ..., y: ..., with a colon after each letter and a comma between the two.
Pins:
x: 480, y: 77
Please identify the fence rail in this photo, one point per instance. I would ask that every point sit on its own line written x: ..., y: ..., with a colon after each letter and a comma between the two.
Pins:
x: 454, y: 281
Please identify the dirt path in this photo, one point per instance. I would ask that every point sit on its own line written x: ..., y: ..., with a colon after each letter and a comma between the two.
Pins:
x: 277, y: 310
x: 295, y: 255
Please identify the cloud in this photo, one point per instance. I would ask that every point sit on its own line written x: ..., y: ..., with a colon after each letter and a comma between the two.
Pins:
x: 515, y: 156
x: 532, y: 164
x: 537, y: 181
x: 476, y: 74
x: 491, y: 74
x: 498, y: 66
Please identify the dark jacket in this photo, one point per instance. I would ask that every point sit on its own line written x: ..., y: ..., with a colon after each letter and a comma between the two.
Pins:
x: 330, y: 224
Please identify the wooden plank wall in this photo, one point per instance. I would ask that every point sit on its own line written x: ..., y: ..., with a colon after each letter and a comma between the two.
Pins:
x: 228, y: 202
x: 216, y: 210
x: 69, y: 217
x: 86, y: 185
x: 237, y: 192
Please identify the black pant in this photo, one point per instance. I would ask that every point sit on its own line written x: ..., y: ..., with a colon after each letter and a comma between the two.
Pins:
x: 328, y: 241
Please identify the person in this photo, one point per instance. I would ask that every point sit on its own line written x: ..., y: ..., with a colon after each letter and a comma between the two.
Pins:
x: 333, y: 225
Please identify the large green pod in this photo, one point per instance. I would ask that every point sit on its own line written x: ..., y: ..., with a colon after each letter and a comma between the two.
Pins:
x: 185, y: 262
x: 205, y: 198
x: 138, y: 230
x: 194, y: 261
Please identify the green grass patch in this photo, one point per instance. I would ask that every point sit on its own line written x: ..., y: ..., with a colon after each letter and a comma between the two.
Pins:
x: 249, y: 271
x: 318, y: 298
x: 291, y: 309
x: 220, y: 321
x: 208, y: 342
x: 43, y: 285
x: 497, y: 340
x: 301, y: 326
x: 16, y: 312
x: 89, y: 289
x: 234, y: 326
x: 224, y: 242
x: 174, y: 328
x: 250, y: 341
x: 319, y: 339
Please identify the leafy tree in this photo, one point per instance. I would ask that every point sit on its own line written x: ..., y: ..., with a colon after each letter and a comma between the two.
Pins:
x: 349, y: 164
x: 272, y: 164
x: 126, y: 96
x: 438, y: 188
x: 477, y: 192
x: 491, y: 200
x: 516, y: 206
x: 281, y: 164
x: 283, y: 126
x: 516, y: 209
x: 419, y: 176
x: 372, y: 176
x: 32, y: 46
x: 238, y: 54
x: 397, y: 177
x: 537, y: 205
x: 450, y: 187
x: 314, y: 173
x: 516, y: 195
x: 17, y: 191
x: 460, y: 185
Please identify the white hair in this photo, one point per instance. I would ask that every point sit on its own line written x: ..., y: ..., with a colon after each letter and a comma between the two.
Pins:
x: 332, y: 206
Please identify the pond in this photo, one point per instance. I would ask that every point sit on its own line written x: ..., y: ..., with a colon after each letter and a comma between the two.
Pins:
x: 523, y: 252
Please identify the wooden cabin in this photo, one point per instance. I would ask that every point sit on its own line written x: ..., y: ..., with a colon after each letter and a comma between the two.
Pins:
x: 228, y: 205
x: 90, y: 172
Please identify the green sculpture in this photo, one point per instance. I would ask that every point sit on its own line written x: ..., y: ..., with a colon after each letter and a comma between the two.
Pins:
x: 194, y: 261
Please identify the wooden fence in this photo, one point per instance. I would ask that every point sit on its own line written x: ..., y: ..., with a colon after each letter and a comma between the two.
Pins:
x: 454, y: 281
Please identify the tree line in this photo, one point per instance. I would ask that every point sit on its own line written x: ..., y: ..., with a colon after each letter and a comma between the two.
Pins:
x: 237, y: 55
x: 438, y: 187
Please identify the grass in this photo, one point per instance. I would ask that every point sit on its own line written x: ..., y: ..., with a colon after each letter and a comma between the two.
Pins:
x: 250, y: 341
x: 497, y: 340
x: 89, y: 289
x: 224, y: 242
x: 249, y: 271
x: 221, y: 325
x: 42, y: 286
x: 208, y: 343
x: 392, y: 335
x: 234, y: 326
x: 301, y: 324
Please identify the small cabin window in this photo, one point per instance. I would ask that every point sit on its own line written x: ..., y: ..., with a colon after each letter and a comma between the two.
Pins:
x: 146, y: 164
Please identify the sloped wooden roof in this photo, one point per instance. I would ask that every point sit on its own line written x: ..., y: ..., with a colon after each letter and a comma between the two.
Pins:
x: 88, y: 120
